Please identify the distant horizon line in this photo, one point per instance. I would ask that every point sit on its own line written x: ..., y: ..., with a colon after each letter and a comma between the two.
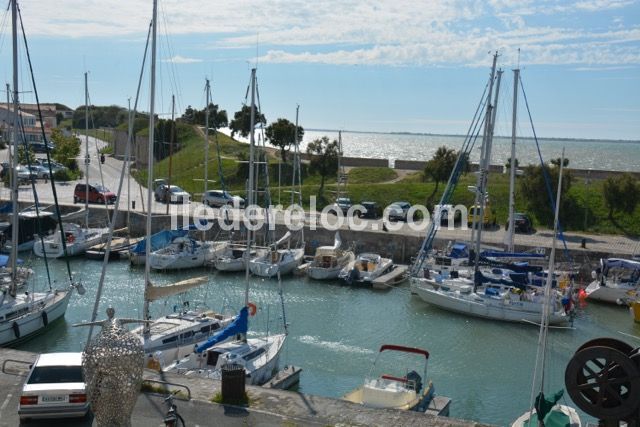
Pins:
x: 636, y: 141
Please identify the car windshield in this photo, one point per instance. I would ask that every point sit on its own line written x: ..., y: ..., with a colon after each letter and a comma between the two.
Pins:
x: 343, y: 200
x: 101, y: 189
x: 176, y: 189
x: 395, y: 206
x: 56, y: 374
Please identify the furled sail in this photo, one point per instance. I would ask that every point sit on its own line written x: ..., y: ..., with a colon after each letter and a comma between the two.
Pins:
x: 154, y: 293
x: 239, y: 326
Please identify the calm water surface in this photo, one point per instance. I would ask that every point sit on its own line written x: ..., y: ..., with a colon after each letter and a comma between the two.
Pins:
x: 335, y: 331
x: 583, y: 154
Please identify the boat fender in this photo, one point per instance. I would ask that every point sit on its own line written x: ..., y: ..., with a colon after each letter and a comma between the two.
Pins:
x: 45, y: 318
x: 253, y: 309
x: 16, y: 329
x: 70, y: 238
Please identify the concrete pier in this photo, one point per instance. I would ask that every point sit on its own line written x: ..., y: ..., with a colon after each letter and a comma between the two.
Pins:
x: 267, y: 407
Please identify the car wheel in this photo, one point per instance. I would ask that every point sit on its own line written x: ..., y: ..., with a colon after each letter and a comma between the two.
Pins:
x: 75, y: 199
x: 100, y: 200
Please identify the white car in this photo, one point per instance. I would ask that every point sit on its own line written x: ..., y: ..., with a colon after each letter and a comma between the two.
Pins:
x: 54, y: 388
x: 171, y: 194
x: 219, y: 198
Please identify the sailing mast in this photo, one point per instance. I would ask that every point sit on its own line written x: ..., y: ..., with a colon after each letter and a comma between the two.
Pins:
x: 297, y: 169
x: 13, y: 289
x: 250, y: 185
x: 86, y: 152
x: 173, y: 123
x: 485, y: 159
x: 512, y: 166
x: 147, y: 265
x: 206, y: 138
x: 341, y: 174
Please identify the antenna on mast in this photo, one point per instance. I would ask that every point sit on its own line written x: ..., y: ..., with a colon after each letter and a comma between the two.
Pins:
x: 518, y: 62
x: 257, y: 45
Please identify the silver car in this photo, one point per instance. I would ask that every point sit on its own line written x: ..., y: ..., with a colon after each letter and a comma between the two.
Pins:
x: 219, y: 198
x: 54, y: 388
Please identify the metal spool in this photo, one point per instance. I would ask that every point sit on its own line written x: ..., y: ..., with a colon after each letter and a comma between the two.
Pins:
x: 603, y: 379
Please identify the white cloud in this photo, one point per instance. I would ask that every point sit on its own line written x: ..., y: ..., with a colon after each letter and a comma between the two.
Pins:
x: 399, y: 32
x: 177, y: 59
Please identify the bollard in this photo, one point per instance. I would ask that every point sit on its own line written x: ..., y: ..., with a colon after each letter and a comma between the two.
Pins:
x: 233, y: 381
x: 583, y: 243
x: 133, y: 204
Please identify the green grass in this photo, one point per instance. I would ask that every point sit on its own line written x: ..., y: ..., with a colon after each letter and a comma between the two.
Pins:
x: 369, y: 184
x: 103, y: 134
x: 371, y: 175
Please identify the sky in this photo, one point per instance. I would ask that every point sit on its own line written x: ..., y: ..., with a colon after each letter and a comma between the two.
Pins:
x: 387, y: 66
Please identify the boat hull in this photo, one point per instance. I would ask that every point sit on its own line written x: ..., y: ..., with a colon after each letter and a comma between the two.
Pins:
x: 509, y: 311
x: 609, y: 294
x: 35, y: 321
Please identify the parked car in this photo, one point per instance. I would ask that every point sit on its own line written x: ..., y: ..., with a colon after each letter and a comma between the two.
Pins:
x: 398, y: 211
x: 54, y: 388
x: 97, y: 194
x: 443, y: 213
x: 25, y: 174
x: 39, y: 147
x: 521, y: 222
x: 39, y: 171
x: 55, y: 166
x: 475, y: 211
x: 219, y: 198
x: 370, y: 210
x: 171, y: 194
x: 342, y: 204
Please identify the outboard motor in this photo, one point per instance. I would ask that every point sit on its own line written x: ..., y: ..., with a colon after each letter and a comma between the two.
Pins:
x: 415, y: 378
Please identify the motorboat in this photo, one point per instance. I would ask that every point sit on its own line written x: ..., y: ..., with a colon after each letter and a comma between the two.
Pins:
x: 258, y: 356
x: 277, y: 261
x: 406, y: 392
x: 328, y: 261
x: 184, y: 252
x: 233, y: 257
x: 615, y: 280
x: 32, y: 223
x: 77, y: 240
x: 365, y: 268
x: 158, y: 241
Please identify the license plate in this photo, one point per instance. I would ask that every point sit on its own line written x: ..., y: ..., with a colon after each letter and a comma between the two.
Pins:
x: 57, y: 398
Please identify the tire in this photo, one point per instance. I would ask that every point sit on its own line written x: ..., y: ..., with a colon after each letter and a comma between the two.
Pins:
x: 75, y: 199
x: 100, y: 200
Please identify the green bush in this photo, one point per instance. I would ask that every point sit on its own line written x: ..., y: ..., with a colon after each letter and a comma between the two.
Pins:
x: 67, y: 175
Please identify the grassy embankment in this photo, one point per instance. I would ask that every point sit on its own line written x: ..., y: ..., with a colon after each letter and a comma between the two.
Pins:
x: 372, y: 184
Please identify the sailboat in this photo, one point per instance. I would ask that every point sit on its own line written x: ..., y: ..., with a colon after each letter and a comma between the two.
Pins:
x: 25, y: 315
x: 280, y: 261
x: 77, y: 238
x: 258, y: 356
x: 506, y: 300
x: 548, y: 411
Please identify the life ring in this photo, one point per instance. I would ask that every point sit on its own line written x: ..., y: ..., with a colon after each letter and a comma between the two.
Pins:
x: 70, y: 238
x: 45, y: 318
x: 16, y: 329
x: 253, y: 309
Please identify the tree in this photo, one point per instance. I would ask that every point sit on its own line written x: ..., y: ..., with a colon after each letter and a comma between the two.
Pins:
x: 67, y: 149
x: 439, y: 168
x: 534, y: 185
x: 556, y: 162
x: 217, y: 118
x: 508, y: 163
x: 282, y: 134
x: 241, y: 122
x: 324, y: 160
x: 621, y: 193
x: 25, y: 155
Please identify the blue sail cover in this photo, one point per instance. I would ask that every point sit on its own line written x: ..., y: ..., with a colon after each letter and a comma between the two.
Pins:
x: 459, y: 250
x: 621, y: 263
x: 6, y: 208
x: 239, y: 326
x: 161, y: 239
x: 500, y: 254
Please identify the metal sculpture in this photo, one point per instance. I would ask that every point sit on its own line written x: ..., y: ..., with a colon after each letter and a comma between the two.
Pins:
x: 603, y: 379
x: 112, y: 364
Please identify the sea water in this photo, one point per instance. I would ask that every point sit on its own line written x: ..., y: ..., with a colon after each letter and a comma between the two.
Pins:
x: 582, y: 153
x: 335, y: 332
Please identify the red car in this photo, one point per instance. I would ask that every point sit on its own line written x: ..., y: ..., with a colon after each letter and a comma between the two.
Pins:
x: 97, y: 194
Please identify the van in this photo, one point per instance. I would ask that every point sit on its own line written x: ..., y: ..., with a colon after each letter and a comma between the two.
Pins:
x: 475, y: 212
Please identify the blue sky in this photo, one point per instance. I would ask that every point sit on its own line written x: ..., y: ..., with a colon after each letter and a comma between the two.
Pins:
x: 417, y: 66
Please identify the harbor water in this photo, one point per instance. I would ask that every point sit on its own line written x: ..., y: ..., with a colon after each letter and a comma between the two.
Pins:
x: 335, y: 331
x: 582, y: 153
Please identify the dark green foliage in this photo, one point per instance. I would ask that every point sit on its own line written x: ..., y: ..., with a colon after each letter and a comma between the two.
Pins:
x: 556, y: 162
x: 508, y: 163
x: 537, y: 199
x: 25, y: 155
x: 217, y: 118
x: 109, y: 116
x: 621, y: 193
x: 67, y: 149
x: 67, y: 175
x: 241, y: 122
x: 282, y: 134
x: 324, y: 161
x: 439, y: 168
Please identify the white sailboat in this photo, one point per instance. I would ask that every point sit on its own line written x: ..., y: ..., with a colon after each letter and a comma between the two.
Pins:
x: 277, y: 261
x: 328, y: 261
x: 185, y: 252
x: 484, y: 298
x: 24, y: 315
x: 548, y: 411
x: 258, y: 356
x: 616, y: 280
